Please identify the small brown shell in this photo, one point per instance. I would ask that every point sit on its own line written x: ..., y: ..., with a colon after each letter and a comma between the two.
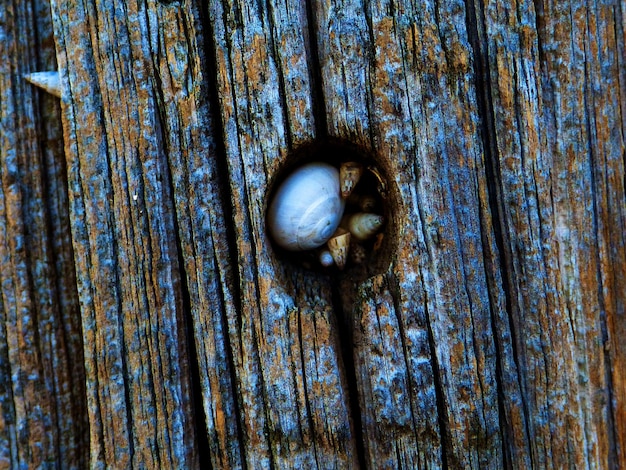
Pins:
x: 349, y: 175
x: 358, y: 254
x: 338, y: 246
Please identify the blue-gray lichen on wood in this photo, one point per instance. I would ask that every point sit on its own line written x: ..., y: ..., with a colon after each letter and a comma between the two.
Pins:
x: 490, y: 340
x: 43, y: 418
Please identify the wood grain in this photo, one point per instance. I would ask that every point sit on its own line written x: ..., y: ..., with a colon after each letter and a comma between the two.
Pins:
x: 42, y: 410
x: 399, y: 80
x: 486, y: 333
x: 557, y: 149
x: 121, y: 201
x: 286, y: 350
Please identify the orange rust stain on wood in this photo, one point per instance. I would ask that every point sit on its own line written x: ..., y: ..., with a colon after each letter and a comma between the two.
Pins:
x: 257, y: 62
x: 505, y: 84
x: 224, y: 83
x: 389, y: 68
x: 458, y: 60
x: 424, y: 46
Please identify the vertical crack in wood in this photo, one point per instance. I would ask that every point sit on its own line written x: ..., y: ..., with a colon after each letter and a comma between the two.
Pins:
x: 115, y: 251
x: 58, y: 232
x: 346, y: 336
x: 305, y: 387
x: 65, y: 293
x: 620, y: 34
x: 593, y: 160
x: 211, y: 65
x: 476, y: 33
x: 440, y: 401
x: 42, y: 345
x: 620, y: 20
x: 281, y: 75
x: 444, y: 428
x: 317, y: 89
x: 344, y: 324
x: 199, y: 418
x: 613, y: 457
x: 406, y: 353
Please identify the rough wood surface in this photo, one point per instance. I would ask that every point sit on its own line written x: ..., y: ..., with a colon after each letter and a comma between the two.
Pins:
x: 557, y: 149
x: 487, y: 333
x: 42, y: 393
x: 424, y: 349
x: 286, y: 351
x: 136, y: 353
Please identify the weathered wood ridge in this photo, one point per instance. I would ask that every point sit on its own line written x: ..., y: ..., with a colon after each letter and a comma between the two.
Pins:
x: 141, y: 299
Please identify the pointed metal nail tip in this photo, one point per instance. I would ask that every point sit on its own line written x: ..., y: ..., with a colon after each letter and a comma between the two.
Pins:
x: 49, y: 81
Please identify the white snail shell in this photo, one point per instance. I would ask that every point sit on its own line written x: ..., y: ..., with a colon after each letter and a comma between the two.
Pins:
x: 307, y: 208
x: 325, y: 258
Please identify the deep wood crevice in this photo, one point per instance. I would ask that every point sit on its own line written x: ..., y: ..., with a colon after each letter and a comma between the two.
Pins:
x: 477, y: 34
x: 224, y: 194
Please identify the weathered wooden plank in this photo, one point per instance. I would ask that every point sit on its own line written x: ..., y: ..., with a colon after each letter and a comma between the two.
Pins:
x: 42, y: 411
x: 205, y: 252
x: 284, y: 340
x: 554, y: 85
x: 191, y: 136
x: 398, y: 79
x: 121, y: 200
x: 473, y: 346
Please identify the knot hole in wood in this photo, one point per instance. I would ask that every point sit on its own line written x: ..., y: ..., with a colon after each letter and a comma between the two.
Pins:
x: 330, y: 208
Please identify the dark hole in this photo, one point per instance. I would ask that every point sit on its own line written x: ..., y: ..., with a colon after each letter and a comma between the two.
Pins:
x: 373, y: 194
